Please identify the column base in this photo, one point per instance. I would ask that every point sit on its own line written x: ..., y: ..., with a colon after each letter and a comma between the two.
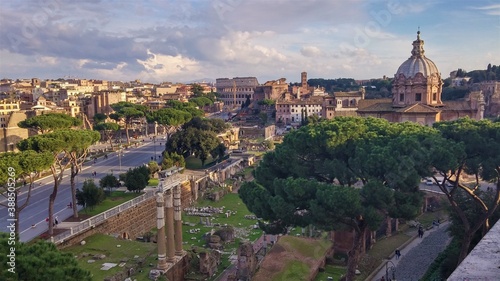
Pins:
x: 162, y: 265
x: 171, y: 260
x: 180, y: 253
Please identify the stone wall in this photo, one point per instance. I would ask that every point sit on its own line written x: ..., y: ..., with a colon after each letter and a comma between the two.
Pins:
x: 131, y: 223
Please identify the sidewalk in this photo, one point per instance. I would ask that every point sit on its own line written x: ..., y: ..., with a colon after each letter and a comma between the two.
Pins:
x: 392, y: 262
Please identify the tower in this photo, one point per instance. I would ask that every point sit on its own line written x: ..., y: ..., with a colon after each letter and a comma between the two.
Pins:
x: 303, y: 79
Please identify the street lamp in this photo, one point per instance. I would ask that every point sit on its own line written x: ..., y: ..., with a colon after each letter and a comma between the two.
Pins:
x: 120, y: 156
x: 154, y: 144
x: 392, y: 267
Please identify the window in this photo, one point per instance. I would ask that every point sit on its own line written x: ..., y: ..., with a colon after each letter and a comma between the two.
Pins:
x: 434, y: 96
x: 418, y: 97
x: 401, y: 97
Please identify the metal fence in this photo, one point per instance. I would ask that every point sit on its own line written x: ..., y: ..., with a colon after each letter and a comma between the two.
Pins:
x: 102, y: 217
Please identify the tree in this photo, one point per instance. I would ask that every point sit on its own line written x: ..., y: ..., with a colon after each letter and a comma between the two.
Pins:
x: 22, y: 166
x: 40, y: 261
x: 172, y: 159
x: 137, y: 179
x: 201, y: 101
x: 203, y: 144
x: 197, y: 90
x: 79, y: 143
x: 219, y: 151
x: 59, y: 144
x: 153, y: 168
x: 127, y: 112
x: 266, y: 102
x: 197, y: 136
x: 109, y: 181
x: 469, y: 147
x: 308, y: 178
x: 99, y: 118
x: 169, y: 116
x: 49, y: 122
x: 90, y: 195
x: 108, y: 130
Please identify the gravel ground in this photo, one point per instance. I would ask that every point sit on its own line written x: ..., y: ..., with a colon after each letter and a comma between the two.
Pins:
x: 414, y: 264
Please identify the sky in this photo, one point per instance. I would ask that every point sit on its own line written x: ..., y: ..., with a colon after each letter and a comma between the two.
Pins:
x: 192, y: 40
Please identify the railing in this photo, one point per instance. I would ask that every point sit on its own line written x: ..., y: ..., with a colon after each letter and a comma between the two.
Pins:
x: 100, y: 218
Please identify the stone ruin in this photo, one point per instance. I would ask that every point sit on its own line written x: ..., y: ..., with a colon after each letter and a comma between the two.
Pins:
x: 247, y: 262
x: 209, y: 262
x: 226, y: 234
x: 214, y: 242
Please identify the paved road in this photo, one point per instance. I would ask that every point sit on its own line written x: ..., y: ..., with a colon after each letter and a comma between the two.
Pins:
x: 416, y: 256
x: 37, y: 210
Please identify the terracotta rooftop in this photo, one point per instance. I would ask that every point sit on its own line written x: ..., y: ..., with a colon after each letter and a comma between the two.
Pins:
x: 456, y: 105
x: 348, y: 94
x: 418, y: 108
x: 367, y: 103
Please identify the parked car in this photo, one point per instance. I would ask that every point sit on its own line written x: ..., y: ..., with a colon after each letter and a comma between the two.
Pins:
x: 429, y: 182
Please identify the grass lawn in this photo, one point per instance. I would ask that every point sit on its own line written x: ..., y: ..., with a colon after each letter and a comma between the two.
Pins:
x: 231, y: 202
x: 107, y: 245
x: 380, y: 251
x: 427, y: 218
x: 195, y: 163
x: 244, y: 227
x: 116, y: 198
x: 153, y: 182
x: 293, y: 270
x: 331, y: 271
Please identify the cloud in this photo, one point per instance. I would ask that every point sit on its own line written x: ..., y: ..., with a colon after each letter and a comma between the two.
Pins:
x: 159, y: 67
x: 310, y: 51
x: 493, y: 10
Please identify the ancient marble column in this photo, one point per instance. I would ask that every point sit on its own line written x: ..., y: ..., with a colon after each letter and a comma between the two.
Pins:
x: 170, y: 225
x: 160, y: 220
x: 178, y: 221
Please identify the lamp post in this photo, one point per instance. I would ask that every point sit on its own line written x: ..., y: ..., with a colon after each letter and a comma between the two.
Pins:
x: 120, y: 156
x: 392, y: 268
x: 154, y: 144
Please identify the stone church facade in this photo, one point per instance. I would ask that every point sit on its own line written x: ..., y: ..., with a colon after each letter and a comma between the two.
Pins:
x: 416, y: 95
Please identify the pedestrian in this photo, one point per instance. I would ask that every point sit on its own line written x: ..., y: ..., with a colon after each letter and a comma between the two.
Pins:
x: 398, y: 254
x: 382, y: 279
x: 56, y: 221
x: 420, y: 232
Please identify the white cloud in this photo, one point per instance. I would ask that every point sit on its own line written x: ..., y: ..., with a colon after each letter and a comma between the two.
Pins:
x: 310, y: 51
x: 493, y: 10
x: 161, y: 67
x: 47, y: 60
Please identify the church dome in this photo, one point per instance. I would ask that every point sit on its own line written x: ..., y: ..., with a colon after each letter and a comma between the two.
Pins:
x: 418, y: 62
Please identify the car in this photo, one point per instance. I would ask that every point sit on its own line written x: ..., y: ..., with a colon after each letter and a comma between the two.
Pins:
x: 429, y: 182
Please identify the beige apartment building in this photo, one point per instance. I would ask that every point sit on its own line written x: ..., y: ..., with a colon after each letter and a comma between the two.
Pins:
x: 11, y: 134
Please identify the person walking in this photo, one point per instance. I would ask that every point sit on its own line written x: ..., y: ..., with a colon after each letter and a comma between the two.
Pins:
x: 420, y: 232
x: 398, y: 254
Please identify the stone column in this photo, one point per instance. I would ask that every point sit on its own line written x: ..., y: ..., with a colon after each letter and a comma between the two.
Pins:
x: 178, y: 221
x: 160, y: 216
x: 170, y: 225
